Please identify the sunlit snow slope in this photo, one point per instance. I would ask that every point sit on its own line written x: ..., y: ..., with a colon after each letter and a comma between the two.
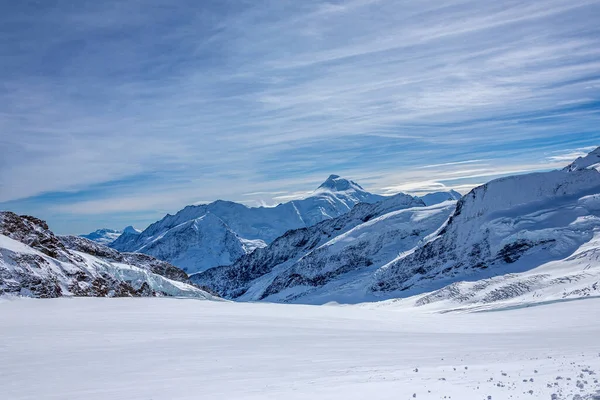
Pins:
x: 141, y: 349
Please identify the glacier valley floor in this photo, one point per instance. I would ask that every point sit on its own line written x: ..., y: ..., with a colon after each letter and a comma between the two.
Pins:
x: 161, y: 348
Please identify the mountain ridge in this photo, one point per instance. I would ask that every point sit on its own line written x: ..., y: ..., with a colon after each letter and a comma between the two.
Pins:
x: 242, y: 228
x: 526, y: 233
x: 34, y: 262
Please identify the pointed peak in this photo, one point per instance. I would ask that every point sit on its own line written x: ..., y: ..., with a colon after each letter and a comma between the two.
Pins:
x: 338, y: 184
x: 592, y: 160
x: 131, y: 229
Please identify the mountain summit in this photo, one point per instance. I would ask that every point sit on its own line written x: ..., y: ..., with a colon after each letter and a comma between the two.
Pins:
x: 131, y: 229
x: 338, y: 184
x: 592, y: 160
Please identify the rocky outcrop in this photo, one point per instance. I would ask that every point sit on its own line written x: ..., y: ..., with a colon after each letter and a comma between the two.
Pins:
x: 35, y: 262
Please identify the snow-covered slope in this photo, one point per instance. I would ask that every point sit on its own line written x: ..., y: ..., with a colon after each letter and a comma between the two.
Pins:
x: 34, y: 262
x: 312, y: 257
x: 591, y: 161
x: 126, y: 239
x: 203, y: 236
x: 541, y: 229
x: 439, y: 197
x: 198, y: 244
x: 336, y: 270
x: 572, y: 277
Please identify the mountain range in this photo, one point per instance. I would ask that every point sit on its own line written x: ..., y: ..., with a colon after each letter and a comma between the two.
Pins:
x: 106, y: 236
x: 518, y: 239
x: 531, y: 236
x: 204, y: 236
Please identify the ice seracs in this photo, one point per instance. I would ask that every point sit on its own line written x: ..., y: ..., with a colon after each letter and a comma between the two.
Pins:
x: 222, y: 231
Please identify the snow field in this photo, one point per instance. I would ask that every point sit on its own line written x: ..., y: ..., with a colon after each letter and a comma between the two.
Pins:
x: 165, y: 348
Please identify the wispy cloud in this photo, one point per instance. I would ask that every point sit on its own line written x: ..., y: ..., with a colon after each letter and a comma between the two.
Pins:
x: 117, y: 107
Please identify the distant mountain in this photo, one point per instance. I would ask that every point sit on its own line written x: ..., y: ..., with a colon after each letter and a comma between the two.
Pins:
x: 107, y: 236
x: 517, y: 239
x: 103, y: 236
x: 208, y: 235
x: 35, y: 262
x: 439, y: 197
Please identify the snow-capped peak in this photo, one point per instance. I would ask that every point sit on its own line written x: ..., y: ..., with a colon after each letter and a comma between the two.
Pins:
x: 591, y: 161
x: 336, y: 183
x: 439, y: 197
x: 131, y: 229
x: 103, y: 236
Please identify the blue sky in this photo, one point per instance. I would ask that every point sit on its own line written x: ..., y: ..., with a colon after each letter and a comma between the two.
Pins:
x: 117, y: 112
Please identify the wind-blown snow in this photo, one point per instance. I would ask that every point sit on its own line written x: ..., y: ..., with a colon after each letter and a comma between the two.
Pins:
x: 140, y: 349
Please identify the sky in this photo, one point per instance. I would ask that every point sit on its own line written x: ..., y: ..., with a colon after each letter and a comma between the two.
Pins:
x: 117, y: 112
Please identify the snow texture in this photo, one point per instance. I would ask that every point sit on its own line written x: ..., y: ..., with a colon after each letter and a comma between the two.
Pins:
x: 176, y: 349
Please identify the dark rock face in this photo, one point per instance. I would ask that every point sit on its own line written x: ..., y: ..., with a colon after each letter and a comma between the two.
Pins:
x: 31, y: 231
x: 65, y: 270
